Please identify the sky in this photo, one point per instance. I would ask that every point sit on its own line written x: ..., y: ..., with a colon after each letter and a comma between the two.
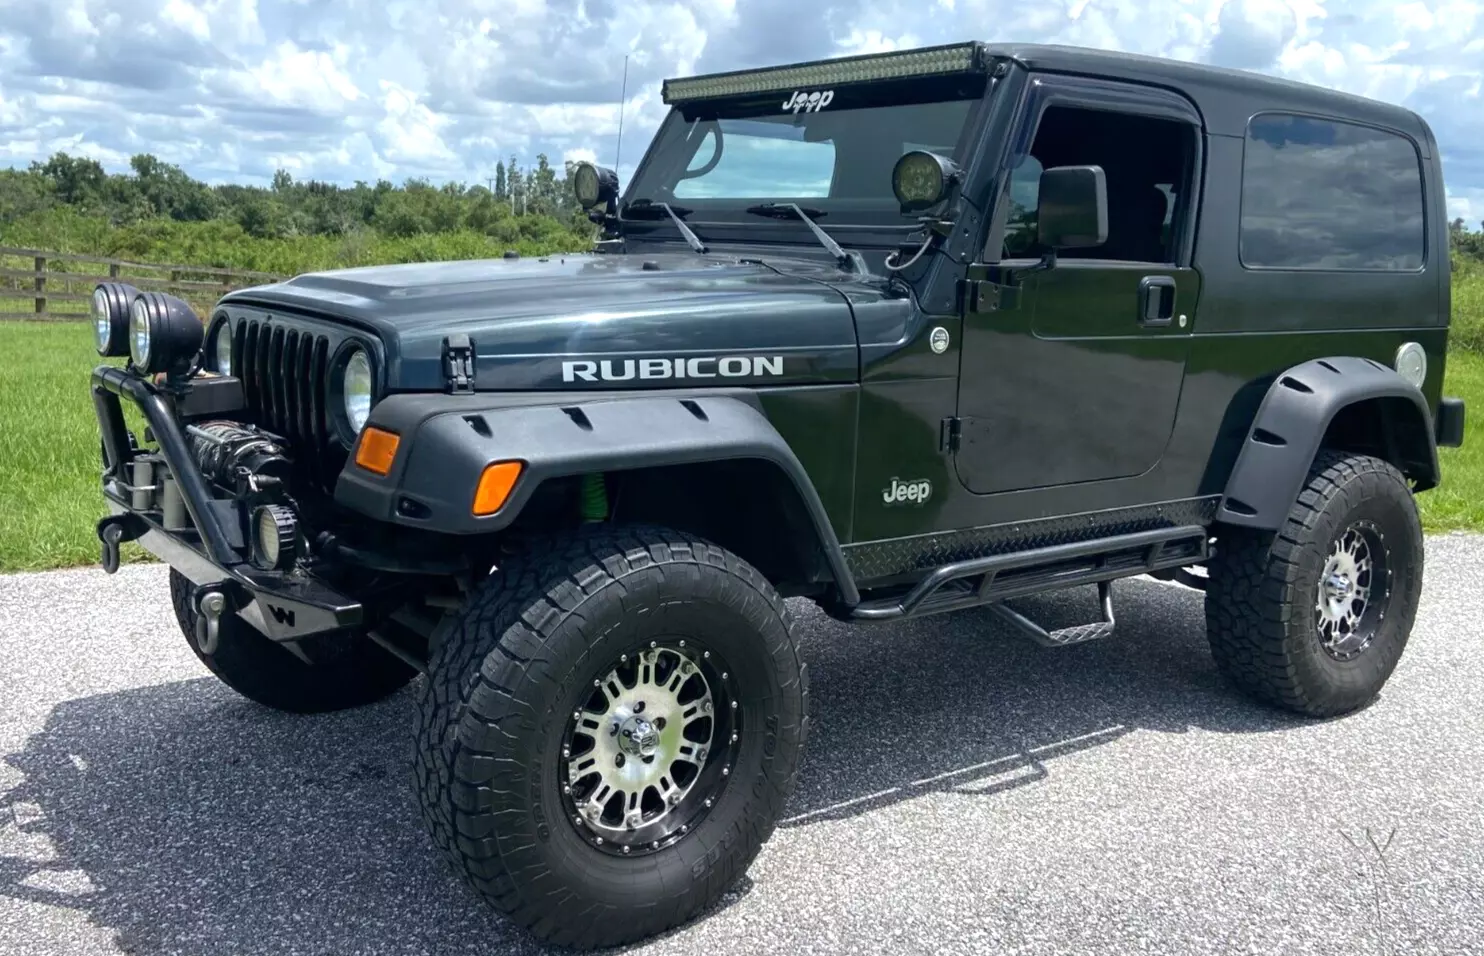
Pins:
x: 341, y: 90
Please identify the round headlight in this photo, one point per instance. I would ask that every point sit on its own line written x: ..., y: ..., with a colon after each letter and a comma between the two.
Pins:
x: 223, y: 349
x: 593, y: 185
x: 165, y: 335
x: 1411, y: 364
x: 921, y: 179
x: 110, y: 311
x: 274, y: 537
x: 357, y: 389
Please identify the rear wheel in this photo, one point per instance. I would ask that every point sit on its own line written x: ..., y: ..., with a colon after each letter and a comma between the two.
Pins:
x: 607, y: 737
x: 1315, y: 618
x: 348, y: 670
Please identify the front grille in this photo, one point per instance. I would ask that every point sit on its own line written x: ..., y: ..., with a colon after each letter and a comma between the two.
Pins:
x: 283, y: 370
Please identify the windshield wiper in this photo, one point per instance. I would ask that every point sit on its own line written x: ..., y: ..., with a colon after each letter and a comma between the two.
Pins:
x: 691, y: 239
x: 849, y: 261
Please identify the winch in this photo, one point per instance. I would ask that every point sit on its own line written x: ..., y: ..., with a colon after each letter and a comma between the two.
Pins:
x: 239, y: 458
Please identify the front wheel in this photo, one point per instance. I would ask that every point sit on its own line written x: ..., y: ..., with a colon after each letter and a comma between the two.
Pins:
x: 607, y: 737
x: 1314, y: 618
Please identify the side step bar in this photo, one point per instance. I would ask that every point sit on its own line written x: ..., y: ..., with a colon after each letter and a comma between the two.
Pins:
x: 1000, y: 577
x: 1066, y: 636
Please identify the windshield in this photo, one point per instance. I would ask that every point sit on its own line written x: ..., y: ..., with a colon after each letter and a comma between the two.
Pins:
x: 717, y: 158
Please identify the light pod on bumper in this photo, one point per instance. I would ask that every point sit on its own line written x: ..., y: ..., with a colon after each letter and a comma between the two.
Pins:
x: 275, y: 537
x: 164, y: 334
x: 110, y: 312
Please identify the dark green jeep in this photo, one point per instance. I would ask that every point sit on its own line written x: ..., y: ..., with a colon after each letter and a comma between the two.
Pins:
x: 899, y: 334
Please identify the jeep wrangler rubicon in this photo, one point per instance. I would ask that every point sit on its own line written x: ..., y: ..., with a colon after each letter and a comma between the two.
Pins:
x: 900, y: 334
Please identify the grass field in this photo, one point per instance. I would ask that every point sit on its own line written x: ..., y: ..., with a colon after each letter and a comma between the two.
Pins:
x: 49, y: 470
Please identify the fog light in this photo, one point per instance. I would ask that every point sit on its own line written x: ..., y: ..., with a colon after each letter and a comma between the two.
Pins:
x: 166, y: 334
x: 275, y: 533
x: 110, y: 313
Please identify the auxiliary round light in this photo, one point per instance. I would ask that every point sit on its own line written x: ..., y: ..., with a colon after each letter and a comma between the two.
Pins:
x: 165, y: 333
x: 921, y: 179
x: 1411, y: 364
x: 110, y: 314
x: 275, y: 532
x: 593, y: 185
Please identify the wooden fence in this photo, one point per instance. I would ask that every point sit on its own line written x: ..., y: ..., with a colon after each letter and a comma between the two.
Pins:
x: 59, y: 285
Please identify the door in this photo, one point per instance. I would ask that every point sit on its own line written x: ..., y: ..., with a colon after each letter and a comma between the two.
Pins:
x: 1074, y: 373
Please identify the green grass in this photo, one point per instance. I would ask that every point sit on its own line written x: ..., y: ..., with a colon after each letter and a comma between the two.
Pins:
x: 50, y: 465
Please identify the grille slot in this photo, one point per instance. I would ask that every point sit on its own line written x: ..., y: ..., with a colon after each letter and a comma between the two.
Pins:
x: 283, y: 372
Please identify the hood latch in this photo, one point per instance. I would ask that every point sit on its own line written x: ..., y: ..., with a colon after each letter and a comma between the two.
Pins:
x: 458, y: 363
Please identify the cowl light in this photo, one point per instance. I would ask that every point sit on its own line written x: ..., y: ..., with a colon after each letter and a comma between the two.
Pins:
x: 165, y: 334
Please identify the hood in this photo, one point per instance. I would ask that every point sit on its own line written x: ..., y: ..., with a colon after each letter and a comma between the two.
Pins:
x: 597, y: 321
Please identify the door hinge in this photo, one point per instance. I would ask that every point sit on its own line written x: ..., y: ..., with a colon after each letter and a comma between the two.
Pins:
x: 981, y: 295
x: 949, y: 432
x: 458, y: 363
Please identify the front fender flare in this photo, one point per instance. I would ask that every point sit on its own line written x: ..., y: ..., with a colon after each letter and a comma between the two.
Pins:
x: 447, y: 440
x: 1286, y: 433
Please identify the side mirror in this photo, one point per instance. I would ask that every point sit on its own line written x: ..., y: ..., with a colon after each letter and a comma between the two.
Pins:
x: 1072, y: 212
x: 594, y: 185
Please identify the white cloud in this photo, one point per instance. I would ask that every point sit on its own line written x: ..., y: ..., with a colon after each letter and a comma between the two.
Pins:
x: 360, y: 89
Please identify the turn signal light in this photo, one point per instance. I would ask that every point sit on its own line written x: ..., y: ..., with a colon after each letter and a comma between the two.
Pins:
x: 376, y: 450
x: 495, y: 486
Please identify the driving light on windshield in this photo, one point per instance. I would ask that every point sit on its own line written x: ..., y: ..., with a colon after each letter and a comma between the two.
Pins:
x: 921, y: 179
x: 593, y: 185
x: 929, y: 61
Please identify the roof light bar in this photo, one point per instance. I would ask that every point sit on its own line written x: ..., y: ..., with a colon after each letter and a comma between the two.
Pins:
x: 927, y: 61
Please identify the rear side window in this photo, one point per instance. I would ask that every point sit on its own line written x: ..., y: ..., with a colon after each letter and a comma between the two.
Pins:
x: 1322, y: 194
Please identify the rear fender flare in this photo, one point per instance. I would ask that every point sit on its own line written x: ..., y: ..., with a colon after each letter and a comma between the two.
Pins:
x: 447, y: 441
x: 1291, y: 424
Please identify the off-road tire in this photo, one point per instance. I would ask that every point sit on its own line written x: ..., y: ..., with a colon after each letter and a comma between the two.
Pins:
x: 1261, y: 616
x: 349, y: 671
x: 503, y: 684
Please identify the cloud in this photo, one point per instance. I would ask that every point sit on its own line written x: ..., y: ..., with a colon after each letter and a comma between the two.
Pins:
x: 358, y: 89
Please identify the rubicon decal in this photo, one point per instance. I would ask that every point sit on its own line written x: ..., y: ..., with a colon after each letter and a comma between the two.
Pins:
x: 651, y: 369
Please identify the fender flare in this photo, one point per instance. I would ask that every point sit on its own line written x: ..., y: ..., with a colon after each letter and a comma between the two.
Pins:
x: 448, y: 440
x: 1290, y: 424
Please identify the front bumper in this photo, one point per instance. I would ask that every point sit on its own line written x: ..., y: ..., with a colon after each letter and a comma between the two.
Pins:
x: 209, y: 548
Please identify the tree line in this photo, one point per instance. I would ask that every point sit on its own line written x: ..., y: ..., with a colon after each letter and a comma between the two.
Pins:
x: 288, y: 208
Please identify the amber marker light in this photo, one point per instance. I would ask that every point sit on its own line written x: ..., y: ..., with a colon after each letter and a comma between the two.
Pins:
x: 376, y: 450
x: 494, y: 486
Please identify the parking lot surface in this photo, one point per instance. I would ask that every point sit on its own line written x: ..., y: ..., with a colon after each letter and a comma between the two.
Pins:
x: 964, y: 791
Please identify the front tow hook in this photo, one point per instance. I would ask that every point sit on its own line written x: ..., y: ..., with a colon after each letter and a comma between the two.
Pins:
x: 114, y: 531
x: 211, y: 604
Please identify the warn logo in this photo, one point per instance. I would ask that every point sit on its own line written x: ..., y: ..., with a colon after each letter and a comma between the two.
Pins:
x: 652, y: 369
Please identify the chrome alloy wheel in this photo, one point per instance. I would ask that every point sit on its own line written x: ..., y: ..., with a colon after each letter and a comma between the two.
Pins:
x: 1353, y: 590
x: 648, y: 753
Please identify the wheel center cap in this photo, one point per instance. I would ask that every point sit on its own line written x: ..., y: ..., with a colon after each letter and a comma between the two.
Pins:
x: 637, y: 737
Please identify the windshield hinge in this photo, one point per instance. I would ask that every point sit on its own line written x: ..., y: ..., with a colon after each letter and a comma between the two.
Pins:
x: 458, y: 363
x: 949, y: 432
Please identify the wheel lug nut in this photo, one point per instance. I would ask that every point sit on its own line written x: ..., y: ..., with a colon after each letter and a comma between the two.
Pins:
x: 673, y: 799
x: 686, y: 668
x: 618, y: 760
x: 701, y: 754
x: 639, y: 707
x: 659, y: 723
x: 634, y: 819
x: 706, y: 706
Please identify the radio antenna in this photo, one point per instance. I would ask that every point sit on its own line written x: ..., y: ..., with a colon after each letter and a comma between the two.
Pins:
x: 622, y: 98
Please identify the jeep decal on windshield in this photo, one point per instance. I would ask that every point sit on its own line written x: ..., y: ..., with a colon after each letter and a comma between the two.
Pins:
x: 802, y: 102
x: 649, y: 369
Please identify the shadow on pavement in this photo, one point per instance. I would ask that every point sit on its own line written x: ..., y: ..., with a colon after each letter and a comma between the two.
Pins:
x: 188, y: 820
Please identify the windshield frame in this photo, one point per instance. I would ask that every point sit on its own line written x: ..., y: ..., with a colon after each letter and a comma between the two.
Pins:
x: 721, y: 215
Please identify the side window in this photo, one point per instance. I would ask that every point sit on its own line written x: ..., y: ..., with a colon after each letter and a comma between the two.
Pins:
x: 1148, y: 165
x: 1322, y: 194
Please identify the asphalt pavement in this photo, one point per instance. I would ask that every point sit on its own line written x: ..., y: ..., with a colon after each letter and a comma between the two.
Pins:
x: 965, y: 791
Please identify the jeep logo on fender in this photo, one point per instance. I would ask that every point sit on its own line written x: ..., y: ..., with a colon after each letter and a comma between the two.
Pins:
x: 651, y: 369
x: 916, y: 492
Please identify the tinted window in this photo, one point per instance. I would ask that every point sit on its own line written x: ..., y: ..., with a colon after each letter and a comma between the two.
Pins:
x: 1326, y: 195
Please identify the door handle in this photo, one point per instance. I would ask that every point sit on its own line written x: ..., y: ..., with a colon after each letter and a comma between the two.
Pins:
x: 1156, y: 300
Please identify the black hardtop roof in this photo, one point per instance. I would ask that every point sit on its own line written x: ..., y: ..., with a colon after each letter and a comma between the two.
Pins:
x: 1227, y: 98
